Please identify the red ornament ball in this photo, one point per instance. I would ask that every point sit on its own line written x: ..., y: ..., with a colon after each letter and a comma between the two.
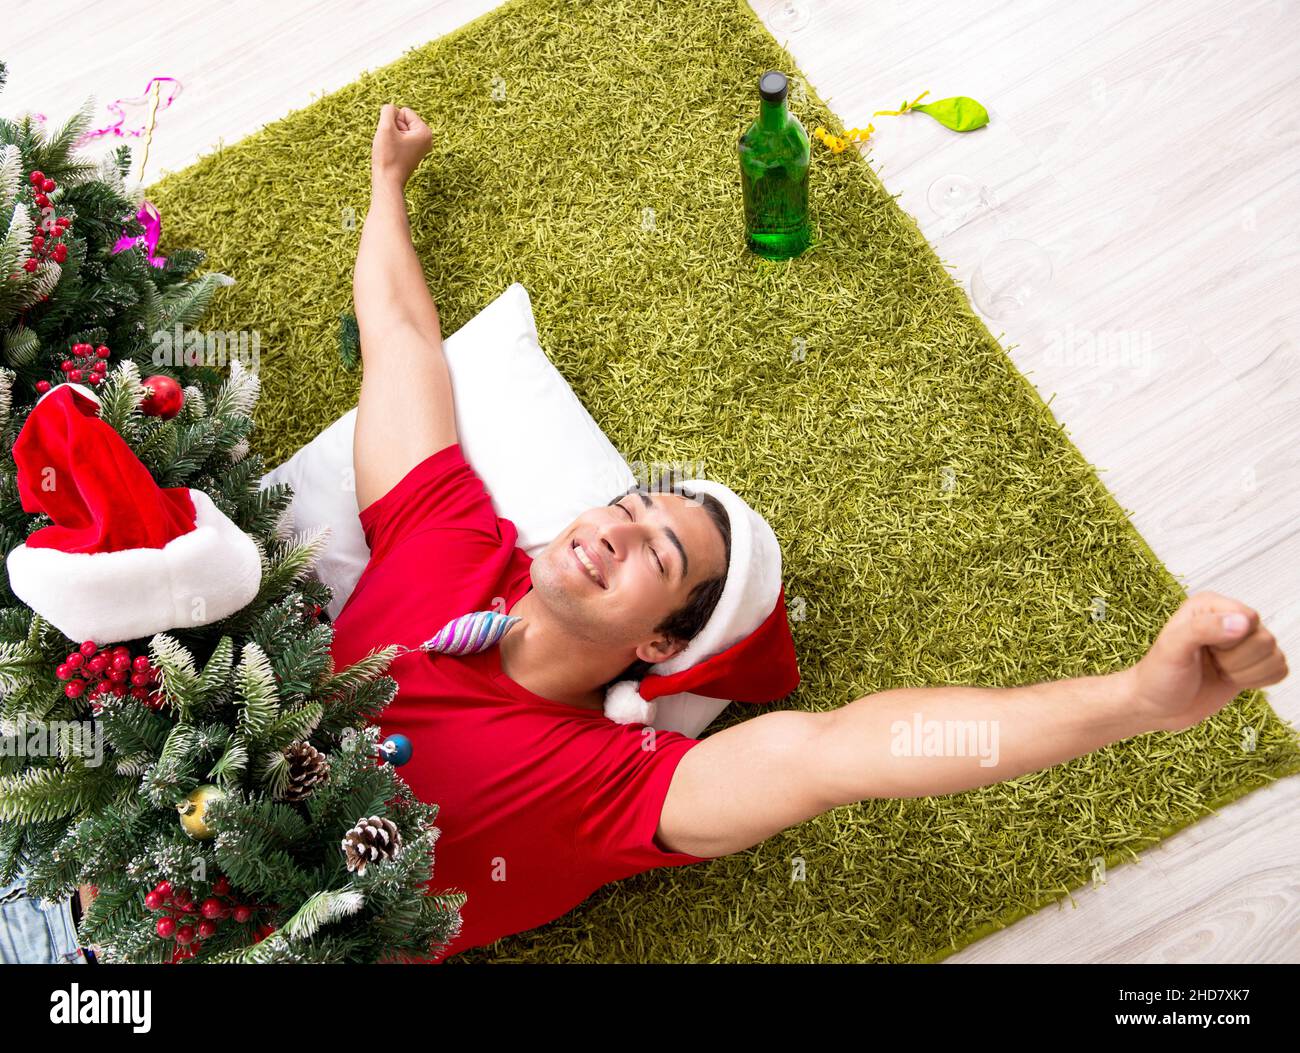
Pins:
x: 164, y: 398
x: 165, y: 927
x: 42, y: 386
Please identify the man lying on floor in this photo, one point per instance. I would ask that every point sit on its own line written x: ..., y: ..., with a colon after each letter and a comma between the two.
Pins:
x: 544, y: 798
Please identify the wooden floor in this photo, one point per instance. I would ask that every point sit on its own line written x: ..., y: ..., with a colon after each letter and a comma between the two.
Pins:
x: 1150, y: 149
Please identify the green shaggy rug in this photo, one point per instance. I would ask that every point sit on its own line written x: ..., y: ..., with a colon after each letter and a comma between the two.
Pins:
x: 938, y: 525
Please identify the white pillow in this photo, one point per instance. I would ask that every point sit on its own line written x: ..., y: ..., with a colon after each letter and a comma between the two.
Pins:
x: 542, y: 458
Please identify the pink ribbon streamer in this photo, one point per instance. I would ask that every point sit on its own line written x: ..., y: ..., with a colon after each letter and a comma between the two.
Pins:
x: 151, y: 220
x: 165, y: 97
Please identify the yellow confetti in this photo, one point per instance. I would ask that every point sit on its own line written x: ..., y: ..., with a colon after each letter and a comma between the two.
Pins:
x: 837, y: 143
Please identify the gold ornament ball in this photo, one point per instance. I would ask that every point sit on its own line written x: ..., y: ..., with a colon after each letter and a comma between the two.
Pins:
x: 193, y: 809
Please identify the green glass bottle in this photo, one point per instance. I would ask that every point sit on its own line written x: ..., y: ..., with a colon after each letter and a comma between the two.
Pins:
x: 774, y: 161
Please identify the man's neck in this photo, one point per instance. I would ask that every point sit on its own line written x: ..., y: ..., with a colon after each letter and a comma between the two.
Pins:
x: 528, y: 657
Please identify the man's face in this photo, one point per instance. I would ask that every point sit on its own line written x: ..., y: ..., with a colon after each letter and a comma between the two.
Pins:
x: 649, y: 551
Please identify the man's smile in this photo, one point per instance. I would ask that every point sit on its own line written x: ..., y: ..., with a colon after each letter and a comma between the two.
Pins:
x: 591, y: 564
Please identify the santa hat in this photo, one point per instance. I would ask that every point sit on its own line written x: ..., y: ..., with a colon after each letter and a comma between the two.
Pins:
x: 745, y: 652
x: 123, y: 558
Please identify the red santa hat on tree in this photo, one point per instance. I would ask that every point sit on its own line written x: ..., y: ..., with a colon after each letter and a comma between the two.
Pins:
x: 745, y: 652
x: 123, y: 558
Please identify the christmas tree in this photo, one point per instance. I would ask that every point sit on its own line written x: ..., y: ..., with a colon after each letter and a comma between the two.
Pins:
x: 219, y: 784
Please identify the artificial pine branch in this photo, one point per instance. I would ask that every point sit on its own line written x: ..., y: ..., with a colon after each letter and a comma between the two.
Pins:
x: 258, y: 697
x: 235, y: 694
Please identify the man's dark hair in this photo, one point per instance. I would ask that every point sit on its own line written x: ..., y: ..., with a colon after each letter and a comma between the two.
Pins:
x: 682, y: 624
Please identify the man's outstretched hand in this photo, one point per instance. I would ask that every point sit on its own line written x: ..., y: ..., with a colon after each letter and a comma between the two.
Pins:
x: 1199, y: 663
x: 401, y: 142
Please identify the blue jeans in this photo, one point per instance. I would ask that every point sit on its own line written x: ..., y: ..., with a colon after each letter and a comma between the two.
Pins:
x: 32, y: 936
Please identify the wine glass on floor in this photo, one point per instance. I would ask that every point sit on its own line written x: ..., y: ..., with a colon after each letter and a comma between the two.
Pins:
x: 953, y: 194
x: 788, y: 16
x: 958, y: 199
x: 1009, y: 277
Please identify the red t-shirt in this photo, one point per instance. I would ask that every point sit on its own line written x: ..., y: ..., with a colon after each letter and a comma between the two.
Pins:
x: 539, y: 802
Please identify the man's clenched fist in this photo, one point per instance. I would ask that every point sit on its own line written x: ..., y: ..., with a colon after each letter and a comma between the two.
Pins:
x: 401, y: 142
x: 1211, y: 649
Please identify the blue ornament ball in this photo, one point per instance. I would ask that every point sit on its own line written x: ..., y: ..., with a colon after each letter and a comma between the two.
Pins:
x: 395, y: 750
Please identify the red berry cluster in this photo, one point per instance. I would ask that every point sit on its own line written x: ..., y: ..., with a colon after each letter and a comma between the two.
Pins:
x: 87, y: 363
x: 189, y: 924
x: 46, y: 246
x: 111, y: 671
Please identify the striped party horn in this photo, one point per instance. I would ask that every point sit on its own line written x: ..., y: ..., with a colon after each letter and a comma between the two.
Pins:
x: 470, y: 633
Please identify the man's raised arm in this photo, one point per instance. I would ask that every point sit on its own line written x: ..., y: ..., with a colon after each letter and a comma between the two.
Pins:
x: 405, y: 412
x: 749, y: 781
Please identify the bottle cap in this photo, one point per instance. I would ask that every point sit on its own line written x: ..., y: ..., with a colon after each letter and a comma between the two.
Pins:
x: 773, y: 86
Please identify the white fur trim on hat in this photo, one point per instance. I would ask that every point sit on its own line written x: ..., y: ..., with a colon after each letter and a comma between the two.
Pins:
x: 81, y: 389
x: 112, y: 596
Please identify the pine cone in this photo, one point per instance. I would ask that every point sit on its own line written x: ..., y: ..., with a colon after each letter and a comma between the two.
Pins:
x: 307, y: 767
x: 372, y: 840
